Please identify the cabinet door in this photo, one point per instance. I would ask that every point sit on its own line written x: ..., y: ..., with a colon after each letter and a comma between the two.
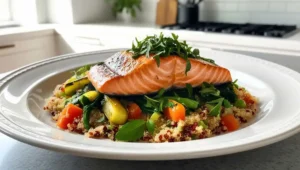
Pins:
x: 16, y: 60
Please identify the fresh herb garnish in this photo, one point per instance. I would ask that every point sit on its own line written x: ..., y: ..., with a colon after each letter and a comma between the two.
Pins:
x: 226, y: 103
x: 161, y: 46
x: 215, y: 110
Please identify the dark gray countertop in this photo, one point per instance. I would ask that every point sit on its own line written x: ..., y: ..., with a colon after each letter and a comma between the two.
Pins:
x: 284, y: 155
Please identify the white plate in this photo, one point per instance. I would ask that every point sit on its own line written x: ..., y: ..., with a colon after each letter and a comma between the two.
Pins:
x: 22, y: 95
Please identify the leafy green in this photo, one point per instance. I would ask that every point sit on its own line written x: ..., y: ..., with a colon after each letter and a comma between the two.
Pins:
x: 88, y: 109
x: 208, y: 92
x: 158, y: 105
x: 131, y: 131
x: 189, y: 89
x: 215, y: 110
x: 226, y: 91
x: 150, y: 126
x: 160, y: 93
x: 240, y: 103
x: 161, y: 46
x: 189, y: 103
x: 226, y: 103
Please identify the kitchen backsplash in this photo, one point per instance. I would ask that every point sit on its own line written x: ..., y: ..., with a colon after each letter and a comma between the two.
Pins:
x: 255, y: 11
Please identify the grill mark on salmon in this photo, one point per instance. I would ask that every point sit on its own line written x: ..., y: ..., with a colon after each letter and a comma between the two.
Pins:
x: 123, y: 75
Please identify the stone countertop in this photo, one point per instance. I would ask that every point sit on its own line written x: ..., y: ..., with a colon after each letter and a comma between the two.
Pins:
x: 283, y: 155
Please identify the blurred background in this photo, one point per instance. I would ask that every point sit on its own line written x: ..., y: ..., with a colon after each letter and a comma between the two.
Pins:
x: 32, y: 30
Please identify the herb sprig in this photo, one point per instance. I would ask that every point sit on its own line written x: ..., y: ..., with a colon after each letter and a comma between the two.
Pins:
x: 161, y: 46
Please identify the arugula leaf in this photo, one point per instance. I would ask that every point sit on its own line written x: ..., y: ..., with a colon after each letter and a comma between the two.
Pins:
x: 226, y: 103
x: 150, y: 126
x: 131, y: 131
x: 216, y: 101
x: 189, y: 103
x: 215, y: 110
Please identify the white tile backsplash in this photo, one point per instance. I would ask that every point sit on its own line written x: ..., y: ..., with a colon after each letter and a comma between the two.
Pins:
x: 256, y: 11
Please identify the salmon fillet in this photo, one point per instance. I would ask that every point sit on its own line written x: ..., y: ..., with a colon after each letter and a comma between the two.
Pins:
x: 123, y: 75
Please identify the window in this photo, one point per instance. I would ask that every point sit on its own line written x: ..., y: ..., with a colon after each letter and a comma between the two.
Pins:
x: 5, y: 10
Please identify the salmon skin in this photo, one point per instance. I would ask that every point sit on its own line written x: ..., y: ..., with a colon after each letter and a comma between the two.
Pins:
x: 123, y: 75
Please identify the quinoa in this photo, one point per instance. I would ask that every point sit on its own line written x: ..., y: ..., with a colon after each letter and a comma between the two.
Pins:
x: 166, y: 130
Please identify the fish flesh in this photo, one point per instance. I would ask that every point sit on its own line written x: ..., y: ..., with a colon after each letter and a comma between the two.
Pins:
x: 121, y: 74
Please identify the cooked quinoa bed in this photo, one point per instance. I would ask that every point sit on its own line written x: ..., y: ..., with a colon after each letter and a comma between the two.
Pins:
x: 166, y: 130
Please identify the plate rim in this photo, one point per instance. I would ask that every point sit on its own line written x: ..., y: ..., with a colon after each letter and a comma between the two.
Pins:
x: 10, y: 131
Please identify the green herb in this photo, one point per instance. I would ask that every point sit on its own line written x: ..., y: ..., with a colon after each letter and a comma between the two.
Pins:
x: 208, y: 92
x: 161, y: 46
x: 150, y: 126
x: 87, y: 111
x: 189, y: 103
x: 240, y: 103
x: 235, y: 84
x: 226, y: 103
x: 203, y: 124
x: 189, y: 89
x: 158, y: 105
x: 215, y: 110
x: 226, y: 91
x: 160, y: 93
x: 131, y: 131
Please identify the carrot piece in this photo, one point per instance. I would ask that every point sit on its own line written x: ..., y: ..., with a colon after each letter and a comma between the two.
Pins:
x: 230, y: 122
x: 134, y: 111
x: 69, y: 113
x: 175, y: 113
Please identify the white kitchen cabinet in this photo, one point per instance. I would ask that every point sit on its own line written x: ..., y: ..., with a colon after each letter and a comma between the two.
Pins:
x: 17, y: 53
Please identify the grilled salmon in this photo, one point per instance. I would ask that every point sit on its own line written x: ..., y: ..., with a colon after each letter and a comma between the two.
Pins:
x: 123, y: 75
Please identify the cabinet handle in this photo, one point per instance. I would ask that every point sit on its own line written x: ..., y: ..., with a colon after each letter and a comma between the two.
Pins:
x: 7, y: 46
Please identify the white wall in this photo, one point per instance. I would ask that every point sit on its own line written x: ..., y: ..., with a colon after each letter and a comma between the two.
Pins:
x: 78, y: 11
